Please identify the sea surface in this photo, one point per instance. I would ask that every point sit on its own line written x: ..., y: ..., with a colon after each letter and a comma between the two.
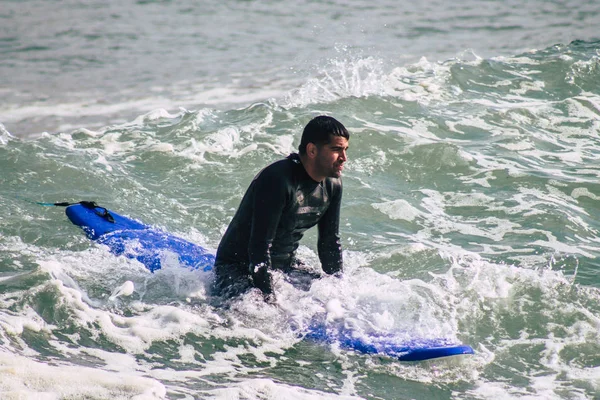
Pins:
x: 471, y: 205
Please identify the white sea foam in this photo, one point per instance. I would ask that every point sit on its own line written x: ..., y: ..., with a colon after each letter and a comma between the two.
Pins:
x: 22, y: 377
x: 583, y: 192
x: 440, y: 221
x: 84, y: 109
x: 398, y: 209
x: 269, y: 390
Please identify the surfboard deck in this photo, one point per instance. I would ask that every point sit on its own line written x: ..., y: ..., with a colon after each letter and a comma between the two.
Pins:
x: 152, y: 247
x: 133, y: 239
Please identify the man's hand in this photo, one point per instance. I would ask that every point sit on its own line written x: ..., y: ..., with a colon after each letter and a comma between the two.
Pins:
x: 261, y: 278
x: 270, y: 298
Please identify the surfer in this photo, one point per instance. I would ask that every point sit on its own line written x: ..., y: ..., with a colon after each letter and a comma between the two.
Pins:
x: 284, y: 200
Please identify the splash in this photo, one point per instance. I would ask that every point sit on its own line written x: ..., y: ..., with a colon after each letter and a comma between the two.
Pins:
x: 5, y: 135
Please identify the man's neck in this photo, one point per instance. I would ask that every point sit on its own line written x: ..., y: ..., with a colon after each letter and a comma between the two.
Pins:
x: 309, y: 167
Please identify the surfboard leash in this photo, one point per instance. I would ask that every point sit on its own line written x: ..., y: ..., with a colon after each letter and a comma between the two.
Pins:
x: 100, y: 211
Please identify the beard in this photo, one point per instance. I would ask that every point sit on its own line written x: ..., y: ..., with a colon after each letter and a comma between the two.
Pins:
x: 331, y: 170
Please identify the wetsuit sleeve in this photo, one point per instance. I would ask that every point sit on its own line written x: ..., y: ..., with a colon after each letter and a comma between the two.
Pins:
x: 329, y: 244
x: 270, y: 198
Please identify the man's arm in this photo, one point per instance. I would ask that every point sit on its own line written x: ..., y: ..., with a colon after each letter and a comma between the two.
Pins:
x: 330, y: 245
x: 270, y: 198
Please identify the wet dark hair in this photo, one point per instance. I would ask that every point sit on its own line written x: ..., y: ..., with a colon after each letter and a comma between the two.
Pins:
x: 319, y: 131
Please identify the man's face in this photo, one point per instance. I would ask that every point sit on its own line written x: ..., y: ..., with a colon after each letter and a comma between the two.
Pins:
x: 331, y: 157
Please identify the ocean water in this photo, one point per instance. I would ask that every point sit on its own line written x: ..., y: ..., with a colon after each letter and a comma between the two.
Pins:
x: 470, y: 211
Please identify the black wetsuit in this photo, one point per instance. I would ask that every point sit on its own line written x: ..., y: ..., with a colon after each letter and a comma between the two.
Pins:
x: 282, y: 202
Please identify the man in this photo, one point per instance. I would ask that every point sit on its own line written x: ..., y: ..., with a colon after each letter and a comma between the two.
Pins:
x: 284, y: 200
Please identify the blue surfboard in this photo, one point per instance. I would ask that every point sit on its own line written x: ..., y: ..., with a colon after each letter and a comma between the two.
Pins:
x: 150, y: 246
x: 132, y: 239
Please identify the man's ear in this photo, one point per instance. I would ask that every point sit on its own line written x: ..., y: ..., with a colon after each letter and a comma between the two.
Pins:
x: 311, y: 150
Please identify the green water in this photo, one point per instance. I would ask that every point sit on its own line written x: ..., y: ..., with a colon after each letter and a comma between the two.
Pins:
x: 470, y: 212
